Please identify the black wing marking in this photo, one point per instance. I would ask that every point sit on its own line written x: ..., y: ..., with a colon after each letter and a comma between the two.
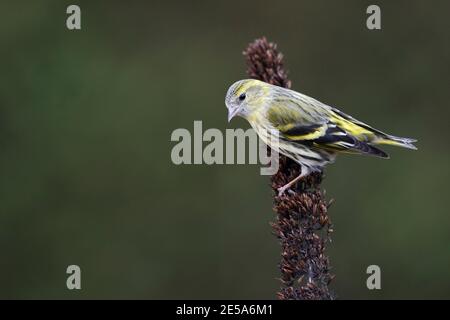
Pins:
x: 299, y: 130
x: 337, y: 139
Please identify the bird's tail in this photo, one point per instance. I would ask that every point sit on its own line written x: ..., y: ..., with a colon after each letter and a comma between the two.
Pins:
x: 397, y: 141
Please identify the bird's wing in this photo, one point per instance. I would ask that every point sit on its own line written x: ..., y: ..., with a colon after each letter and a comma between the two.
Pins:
x: 296, y: 122
x: 337, y: 139
x: 357, y: 128
x: 314, y: 127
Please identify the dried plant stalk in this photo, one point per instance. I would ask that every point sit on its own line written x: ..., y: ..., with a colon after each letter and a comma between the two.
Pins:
x: 302, y: 224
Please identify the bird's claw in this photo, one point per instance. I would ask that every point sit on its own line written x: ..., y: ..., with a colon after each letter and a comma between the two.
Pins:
x: 282, y: 190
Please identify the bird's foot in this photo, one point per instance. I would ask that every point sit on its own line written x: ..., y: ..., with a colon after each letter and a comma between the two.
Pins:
x: 283, y: 189
x: 287, y: 186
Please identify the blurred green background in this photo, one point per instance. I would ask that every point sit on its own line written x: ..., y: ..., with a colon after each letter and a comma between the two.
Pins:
x: 86, y: 174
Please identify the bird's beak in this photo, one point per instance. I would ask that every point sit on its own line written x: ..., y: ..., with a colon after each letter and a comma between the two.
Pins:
x: 232, y: 113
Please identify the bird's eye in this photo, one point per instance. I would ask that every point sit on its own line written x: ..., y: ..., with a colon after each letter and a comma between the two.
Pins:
x: 242, y: 97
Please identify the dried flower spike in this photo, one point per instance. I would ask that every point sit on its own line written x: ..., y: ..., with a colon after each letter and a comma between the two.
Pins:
x: 302, y: 224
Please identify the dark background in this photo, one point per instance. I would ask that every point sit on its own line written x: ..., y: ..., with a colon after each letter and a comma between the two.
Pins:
x: 86, y: 174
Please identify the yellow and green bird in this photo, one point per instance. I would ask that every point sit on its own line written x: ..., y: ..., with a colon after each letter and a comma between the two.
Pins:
x: 302, y: 128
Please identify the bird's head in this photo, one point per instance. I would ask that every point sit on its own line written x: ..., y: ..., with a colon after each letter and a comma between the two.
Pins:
x: 245, y: 97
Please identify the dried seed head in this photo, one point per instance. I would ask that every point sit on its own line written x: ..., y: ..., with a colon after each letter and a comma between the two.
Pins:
x: 302, y: 224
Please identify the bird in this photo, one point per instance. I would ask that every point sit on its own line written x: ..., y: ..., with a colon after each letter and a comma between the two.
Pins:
x: 304, y: 129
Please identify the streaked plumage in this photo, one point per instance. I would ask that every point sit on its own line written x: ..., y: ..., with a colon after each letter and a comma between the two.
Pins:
x: 308, y: 131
